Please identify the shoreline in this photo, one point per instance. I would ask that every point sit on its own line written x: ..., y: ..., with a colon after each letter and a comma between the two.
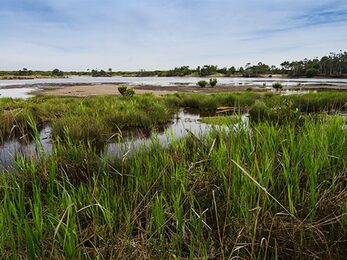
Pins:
x: 269, y: 76
x: 112, y: 89
x: 84, y: 90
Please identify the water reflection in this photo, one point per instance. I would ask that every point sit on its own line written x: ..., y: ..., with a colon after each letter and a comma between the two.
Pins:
x: 184, y: 122
x: 171, y: 81
x: 13, y: 149
x: 16, y: 92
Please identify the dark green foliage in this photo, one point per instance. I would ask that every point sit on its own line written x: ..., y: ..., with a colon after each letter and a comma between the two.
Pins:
x: 255, y: 70
x: 207, y: 70
x: 125, y: 91
x: 213, y: 82
x: 202, y: 83
x: 101, y: 73
x: 277, y: 86
x: 311, y: 72
x: 57, y: 73
x: 25, y: 72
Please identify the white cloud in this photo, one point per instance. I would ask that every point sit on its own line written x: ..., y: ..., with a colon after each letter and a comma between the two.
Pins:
x: 157, y: 34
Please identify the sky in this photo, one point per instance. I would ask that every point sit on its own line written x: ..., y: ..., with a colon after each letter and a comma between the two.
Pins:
x: 163, y: 34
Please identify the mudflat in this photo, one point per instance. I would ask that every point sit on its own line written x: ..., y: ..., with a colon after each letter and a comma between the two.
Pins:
x: 112, y: 89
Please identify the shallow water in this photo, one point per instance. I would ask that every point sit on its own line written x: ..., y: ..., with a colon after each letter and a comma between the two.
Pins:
x: 183, y: 123
x: 179, y: 128
x: 22, y: 88
x: 169, y: 81
x: 16, y: 92
x: 13, y: 149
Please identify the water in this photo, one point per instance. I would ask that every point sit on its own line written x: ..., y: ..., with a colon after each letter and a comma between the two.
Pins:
x: 16, y: 92
x: 22, y: 88
x: 13, y: 149
x: 183, y: 122
x: 179, y: 128
x: 170, y: 81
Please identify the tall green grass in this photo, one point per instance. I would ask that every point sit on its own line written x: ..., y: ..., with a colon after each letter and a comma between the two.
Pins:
x: 272, y: 191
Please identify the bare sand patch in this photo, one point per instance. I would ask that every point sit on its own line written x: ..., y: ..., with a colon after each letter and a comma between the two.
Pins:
x: 112, y: 89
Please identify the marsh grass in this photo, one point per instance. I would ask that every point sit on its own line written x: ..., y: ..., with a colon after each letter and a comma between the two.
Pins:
x: 221, y: 120
x: 275, y: 191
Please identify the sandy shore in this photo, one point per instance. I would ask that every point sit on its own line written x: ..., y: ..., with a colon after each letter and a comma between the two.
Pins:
x: 84, y: 90
x: 112, y: 89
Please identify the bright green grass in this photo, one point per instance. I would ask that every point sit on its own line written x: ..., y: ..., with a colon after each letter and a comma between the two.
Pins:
x: 275, y: 191
x: 220, y: 120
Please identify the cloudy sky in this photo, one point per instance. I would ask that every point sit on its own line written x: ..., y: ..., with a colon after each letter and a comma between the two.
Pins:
x: 161, y: 34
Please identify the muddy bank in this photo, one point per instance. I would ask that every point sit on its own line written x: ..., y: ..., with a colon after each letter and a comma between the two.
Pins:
x: 112, y: 89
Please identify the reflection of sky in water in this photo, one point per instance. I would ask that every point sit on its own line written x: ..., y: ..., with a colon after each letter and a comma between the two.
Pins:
x: 178, y: 129
x: 182, y: 122
x: 10, y: 150
x: 16, y: 92
x: 171, y: 81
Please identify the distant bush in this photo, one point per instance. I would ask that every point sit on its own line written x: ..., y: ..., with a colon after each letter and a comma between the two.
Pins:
x: 311, y: 72
x: 100, y: 73
x: 213, y: 82
x: 277, y: 86
x: 202, y: 83
x: 57, y: 73
x: 125, y: 91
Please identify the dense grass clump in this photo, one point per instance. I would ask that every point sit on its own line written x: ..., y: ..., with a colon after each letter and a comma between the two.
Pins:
x: 95, y: 119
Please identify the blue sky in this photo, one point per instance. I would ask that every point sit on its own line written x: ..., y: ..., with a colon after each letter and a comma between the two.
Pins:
x: 162, y: 34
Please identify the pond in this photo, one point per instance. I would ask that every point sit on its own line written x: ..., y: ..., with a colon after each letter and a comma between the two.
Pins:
x: 16, y: 92
x: 171, y: 81
x: 183, y: 123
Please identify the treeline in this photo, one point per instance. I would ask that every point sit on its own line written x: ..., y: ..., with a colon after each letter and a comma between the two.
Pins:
x: 333, y: 65
x: 27, y: 73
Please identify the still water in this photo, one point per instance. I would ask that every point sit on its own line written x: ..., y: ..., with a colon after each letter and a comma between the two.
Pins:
x: 169, y: 81
x: 183, y: 123
x: 22, y: 88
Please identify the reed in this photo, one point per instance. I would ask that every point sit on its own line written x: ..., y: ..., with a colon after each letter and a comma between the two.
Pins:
x: 275, y: 190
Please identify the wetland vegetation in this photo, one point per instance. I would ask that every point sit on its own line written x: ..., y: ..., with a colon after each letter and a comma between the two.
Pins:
x: 275, y: 189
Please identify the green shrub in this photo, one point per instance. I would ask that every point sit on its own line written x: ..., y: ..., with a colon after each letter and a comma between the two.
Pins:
x: 213, y: 82
x: 277, y: 86
x: 202, y: 83
x: 125, y: 91
x: 122, y: 90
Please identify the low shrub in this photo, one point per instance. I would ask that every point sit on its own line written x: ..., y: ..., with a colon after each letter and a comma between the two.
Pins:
x: 213, y: 82
x: 202, y: 83
x: 277, y: 86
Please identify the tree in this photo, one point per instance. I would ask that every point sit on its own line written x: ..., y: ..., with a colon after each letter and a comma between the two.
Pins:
x: 207, y: 70
x: 57, y: 73
x: 231, y: 70
x: 180, y: 71
x: 101, y: 73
